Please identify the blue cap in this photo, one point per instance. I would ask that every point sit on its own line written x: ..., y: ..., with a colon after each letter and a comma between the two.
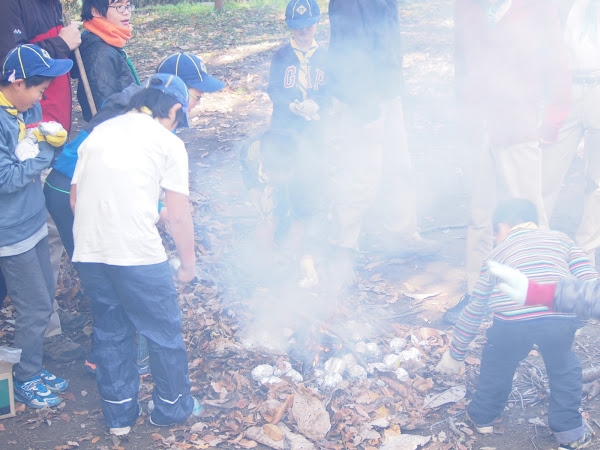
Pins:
x: 302, y: 13
x: 174, y: 87
x: 191, y: 70
x: 28, y: 60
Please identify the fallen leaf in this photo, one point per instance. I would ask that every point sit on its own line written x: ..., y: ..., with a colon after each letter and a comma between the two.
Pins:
x: 537, y: 421
x: 421, y: 296
x: 95, y: 439
x: 273, y: 431
x: 198, y: 427
x: 157, y: 437
x: 451, y: 395
x: 405, y: 442
x: 310, y: 415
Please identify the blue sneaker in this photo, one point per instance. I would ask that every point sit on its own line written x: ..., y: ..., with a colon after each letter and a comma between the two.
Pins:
x: 53, y: 382
x: 34, y: 393
x: 197, y: 411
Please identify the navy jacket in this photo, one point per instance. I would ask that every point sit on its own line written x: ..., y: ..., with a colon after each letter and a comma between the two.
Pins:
x: 283, y: 88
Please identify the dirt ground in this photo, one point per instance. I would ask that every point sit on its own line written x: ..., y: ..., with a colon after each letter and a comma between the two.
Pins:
x: 237, y: 48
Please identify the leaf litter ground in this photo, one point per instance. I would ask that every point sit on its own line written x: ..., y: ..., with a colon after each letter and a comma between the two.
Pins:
x: 394, y: 298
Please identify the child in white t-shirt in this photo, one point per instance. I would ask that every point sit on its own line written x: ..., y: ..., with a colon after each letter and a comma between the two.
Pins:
x: 122, y: 168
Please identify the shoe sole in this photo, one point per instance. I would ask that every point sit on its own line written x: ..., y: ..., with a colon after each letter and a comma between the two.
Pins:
x: 584, y: 445
x: 27, y: 402
x: 123, y: 431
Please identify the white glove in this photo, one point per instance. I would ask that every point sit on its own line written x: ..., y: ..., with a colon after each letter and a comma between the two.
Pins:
x: 310, y: 277
x: 307, y: 109
x: 515, y: 284
x: 28, y: 147
x: 448, y: 365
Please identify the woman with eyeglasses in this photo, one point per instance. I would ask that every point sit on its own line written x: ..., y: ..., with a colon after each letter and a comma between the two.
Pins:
x: 108, y: 68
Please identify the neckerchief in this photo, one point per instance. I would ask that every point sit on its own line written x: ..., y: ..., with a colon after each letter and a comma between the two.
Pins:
x: 10, y: 109
x: 109, y: 33
x: 304, y: 58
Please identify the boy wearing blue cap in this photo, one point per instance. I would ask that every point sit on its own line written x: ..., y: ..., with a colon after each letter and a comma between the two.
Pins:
x: 297, y: 78
x: 120, y: 257
x: 24, y: 257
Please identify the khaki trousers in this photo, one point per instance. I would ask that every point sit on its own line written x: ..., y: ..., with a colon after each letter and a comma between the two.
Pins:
x: 583, y: 123
x: 371, y: 173
x: 496, y: 173
x: 56, y: 251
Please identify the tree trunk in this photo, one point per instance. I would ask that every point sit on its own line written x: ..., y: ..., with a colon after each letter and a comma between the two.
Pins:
x: 219, y: 5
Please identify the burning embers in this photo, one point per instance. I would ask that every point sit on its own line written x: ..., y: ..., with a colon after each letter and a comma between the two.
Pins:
x: 312, y: 345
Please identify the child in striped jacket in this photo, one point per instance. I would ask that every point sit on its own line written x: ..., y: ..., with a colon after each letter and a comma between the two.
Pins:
x: 543, y: 256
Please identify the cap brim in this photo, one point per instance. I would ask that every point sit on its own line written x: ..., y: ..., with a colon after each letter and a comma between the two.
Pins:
x: 208, y: 84
x: 58, y: 68
x: 302, y: 23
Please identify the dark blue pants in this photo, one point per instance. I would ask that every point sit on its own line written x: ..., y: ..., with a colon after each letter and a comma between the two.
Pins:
x: 57, y: 193
x: 509, y: 342
x: 123, y: 299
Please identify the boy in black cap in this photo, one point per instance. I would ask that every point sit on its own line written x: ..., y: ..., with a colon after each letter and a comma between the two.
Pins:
x: 24, y: 258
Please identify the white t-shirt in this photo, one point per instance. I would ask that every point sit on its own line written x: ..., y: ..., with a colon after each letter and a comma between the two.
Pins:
x: 121, y: 169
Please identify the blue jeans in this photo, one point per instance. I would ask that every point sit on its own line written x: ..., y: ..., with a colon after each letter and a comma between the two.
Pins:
x: 509, y: 342
x: 125, y: 299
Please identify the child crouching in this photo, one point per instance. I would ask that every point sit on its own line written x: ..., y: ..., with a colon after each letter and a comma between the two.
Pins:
x: 545, y: 256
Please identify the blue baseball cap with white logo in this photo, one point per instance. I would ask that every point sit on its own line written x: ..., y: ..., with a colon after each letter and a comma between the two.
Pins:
x: 302, y: 13
x: 191, y: 70
x: 28, y: 60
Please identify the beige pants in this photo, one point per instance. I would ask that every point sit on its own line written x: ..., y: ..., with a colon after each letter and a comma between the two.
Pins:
x: 371, y: 173
x: 583, y: 123
x: 517, y: 171
x: 56, y: 252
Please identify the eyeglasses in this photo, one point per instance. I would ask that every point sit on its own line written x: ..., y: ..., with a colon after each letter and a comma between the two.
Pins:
x: 122, y: 8
x: 195, y: 97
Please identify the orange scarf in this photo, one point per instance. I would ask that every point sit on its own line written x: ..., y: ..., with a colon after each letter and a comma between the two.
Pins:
x: 109, y: 33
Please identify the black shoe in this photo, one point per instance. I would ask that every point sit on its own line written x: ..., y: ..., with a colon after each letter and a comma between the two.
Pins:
x: 451, y: 315
x: 584, y: 442
x: 61, y: 349
x: 71, y: 322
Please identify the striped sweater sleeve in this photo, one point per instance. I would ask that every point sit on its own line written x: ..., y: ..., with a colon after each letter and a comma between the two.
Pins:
x: 471, y: 317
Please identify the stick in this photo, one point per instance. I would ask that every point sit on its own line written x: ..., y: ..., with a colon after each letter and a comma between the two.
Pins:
x: 82, y: 75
